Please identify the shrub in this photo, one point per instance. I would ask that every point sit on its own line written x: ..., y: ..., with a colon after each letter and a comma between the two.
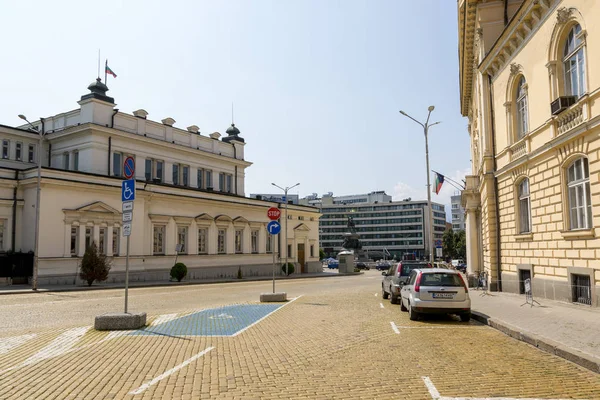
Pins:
x: 290, y: 268
x: 94, y: 266
x: 356, y: 269
x: 239, y: 272
x: 179, y: 271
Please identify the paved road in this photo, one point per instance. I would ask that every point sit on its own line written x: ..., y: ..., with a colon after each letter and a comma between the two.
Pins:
x: 336, y: 339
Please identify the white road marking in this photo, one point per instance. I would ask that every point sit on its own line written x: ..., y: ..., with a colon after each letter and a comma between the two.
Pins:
x: 381, y: 305
x: 161, y: 319
x: 395, y: 328
x: 251, y: 325
x: 435, y: 395
x: 62, y: 344
x: 162, y: 376
x: 7, y: 344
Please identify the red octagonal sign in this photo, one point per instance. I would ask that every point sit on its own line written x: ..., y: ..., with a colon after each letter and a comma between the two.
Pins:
x: 274, y: 213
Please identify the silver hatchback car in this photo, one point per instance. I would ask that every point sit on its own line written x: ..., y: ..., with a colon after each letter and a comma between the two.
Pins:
x: 435, y: 291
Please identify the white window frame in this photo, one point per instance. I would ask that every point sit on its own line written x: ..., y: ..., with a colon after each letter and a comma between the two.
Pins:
x: 5, y: 149
x: 202, y: 240
x: 578, y: 191
x: 19, y: 151
x: 158, y: 243
x: 119, y: 171
x: 239, y: 241
x: 74, y: 235
x: 522, y: 109
x: 576, y: 69
x: 254, y: 241
x: 89, y: 236
x: 31, y: 153
x: 208, y: 179
x: 269, y: 243
x: 221, y: 241
x: 524, y: 208
x: 182, y: 238
x: 102, y: 240
x: 76, y: 161
x: 116, y: 244
x: 200, y: 179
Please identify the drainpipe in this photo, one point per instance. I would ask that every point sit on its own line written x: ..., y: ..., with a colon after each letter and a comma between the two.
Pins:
x: 109, y: 150
x: 14, y: 214
x: 112, y: 118
x: 496, y: 195
x: 505, y: 12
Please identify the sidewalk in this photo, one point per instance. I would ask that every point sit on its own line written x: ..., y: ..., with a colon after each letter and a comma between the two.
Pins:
x: 567, y: 330
x: 26, y: 289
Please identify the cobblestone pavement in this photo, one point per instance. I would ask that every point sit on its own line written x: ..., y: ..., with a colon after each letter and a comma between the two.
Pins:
x: 336, y: 339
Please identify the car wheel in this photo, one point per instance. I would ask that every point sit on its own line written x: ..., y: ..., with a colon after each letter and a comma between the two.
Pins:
x: 384, y: 294
x: 412, y: 314
x: 393, y: 299
x: 402, y: 308
x: 466, y: 317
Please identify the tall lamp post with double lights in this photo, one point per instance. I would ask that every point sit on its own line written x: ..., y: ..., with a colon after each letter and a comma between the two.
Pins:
x: 34, y: 278
x: 426, y: 127
x: 285, y: 191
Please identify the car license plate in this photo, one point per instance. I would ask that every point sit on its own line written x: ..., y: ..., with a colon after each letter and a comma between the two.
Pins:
x: 443, y: 295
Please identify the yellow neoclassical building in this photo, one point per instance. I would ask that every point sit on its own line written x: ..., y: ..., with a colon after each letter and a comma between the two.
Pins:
x: 530, y: 85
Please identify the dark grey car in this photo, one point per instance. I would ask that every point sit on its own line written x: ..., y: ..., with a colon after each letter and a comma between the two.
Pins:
x: 396, y: 277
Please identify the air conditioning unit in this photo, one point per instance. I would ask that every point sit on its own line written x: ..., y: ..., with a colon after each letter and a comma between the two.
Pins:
x: 561, y: 104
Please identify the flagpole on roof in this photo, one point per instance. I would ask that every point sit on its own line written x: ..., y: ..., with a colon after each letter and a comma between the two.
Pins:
x: 98, y: 63
x: 105, y: 70
x: 462, y: 187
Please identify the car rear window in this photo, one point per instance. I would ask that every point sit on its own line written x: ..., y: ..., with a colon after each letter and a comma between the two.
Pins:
x: 441, y: 279
x: 406, y: 268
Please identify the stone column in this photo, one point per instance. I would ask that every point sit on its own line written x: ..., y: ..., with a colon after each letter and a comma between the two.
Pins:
x: 81, y: 243
x: 67, y: 244
x: 109, y: 241
x: 192, y: 238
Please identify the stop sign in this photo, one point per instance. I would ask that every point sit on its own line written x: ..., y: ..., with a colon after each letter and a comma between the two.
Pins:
x: 274, y: 213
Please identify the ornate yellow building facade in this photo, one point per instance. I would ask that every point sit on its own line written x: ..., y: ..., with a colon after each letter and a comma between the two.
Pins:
x: 530, y: 85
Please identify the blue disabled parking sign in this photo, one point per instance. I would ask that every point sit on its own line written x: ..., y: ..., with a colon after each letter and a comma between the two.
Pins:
x: 128, y: 190
x: 273, y: 227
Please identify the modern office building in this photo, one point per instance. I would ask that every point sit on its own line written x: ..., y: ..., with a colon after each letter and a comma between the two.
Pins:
x: 458, y: 213
x: 530, y: 87
x: 190, y: 192
x: 386, y: 227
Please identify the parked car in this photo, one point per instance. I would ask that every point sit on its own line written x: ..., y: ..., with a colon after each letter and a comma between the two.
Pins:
x: 383, y: 266
x: 396, y: 276
x: 435, y: 291
x: 362, y: 265
x: 332, y: 263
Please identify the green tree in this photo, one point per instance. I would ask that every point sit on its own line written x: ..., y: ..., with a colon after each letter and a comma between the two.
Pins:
x: 321, y: 254
x: 448, y: 243
x: 94, y: 266
x: 460, y: 245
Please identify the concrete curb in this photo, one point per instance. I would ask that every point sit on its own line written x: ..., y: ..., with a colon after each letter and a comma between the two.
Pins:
x: 558, y: 349
x: 132, y: 285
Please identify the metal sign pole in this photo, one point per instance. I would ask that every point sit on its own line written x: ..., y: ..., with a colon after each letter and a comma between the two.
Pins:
x: 127, y: 275
x: 273, y: 250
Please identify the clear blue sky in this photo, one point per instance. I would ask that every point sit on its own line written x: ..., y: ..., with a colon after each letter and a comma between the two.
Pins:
x: 316, y: 85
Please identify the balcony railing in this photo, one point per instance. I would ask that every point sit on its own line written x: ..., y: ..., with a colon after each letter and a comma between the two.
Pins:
x: 518, y: 149
x: 569, y: 119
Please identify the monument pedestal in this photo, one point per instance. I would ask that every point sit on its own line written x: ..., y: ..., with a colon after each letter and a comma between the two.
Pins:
x: 346, y: 263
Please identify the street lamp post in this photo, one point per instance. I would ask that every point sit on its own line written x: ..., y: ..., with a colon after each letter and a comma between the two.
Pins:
x: 426, y: 127
x: 285, y: 191
x: 34, y: 279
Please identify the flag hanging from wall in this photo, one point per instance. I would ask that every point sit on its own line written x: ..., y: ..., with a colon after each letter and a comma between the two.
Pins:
x: 439, y: 181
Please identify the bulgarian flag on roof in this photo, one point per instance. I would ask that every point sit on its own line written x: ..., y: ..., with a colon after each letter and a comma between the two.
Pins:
x: 107, y: 70
x: 439, y: 181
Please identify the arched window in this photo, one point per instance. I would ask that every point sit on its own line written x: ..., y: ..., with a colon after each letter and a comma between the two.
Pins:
x: 524, y: 207
x: 579, y: 201
x: 574, y: 63
x: 521, y: 104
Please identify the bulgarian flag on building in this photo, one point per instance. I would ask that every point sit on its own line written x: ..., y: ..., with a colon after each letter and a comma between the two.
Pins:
x: 439, y: 181
x: 107, y: 70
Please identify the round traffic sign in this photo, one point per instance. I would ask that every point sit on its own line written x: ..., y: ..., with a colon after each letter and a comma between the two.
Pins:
x: 129, y: 167
x: 274, y: 213
x: 273, y: 227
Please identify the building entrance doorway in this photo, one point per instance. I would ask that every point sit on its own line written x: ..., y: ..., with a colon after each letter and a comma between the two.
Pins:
x: 301, y: 258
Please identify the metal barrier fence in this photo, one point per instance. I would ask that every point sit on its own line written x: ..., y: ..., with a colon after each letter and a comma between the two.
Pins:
x: 581, y: 289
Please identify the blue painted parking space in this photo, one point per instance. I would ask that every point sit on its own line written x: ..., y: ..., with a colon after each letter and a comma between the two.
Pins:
x: 222, y: 321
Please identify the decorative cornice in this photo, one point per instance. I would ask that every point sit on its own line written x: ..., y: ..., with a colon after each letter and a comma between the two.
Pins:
x: 515, y: 68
